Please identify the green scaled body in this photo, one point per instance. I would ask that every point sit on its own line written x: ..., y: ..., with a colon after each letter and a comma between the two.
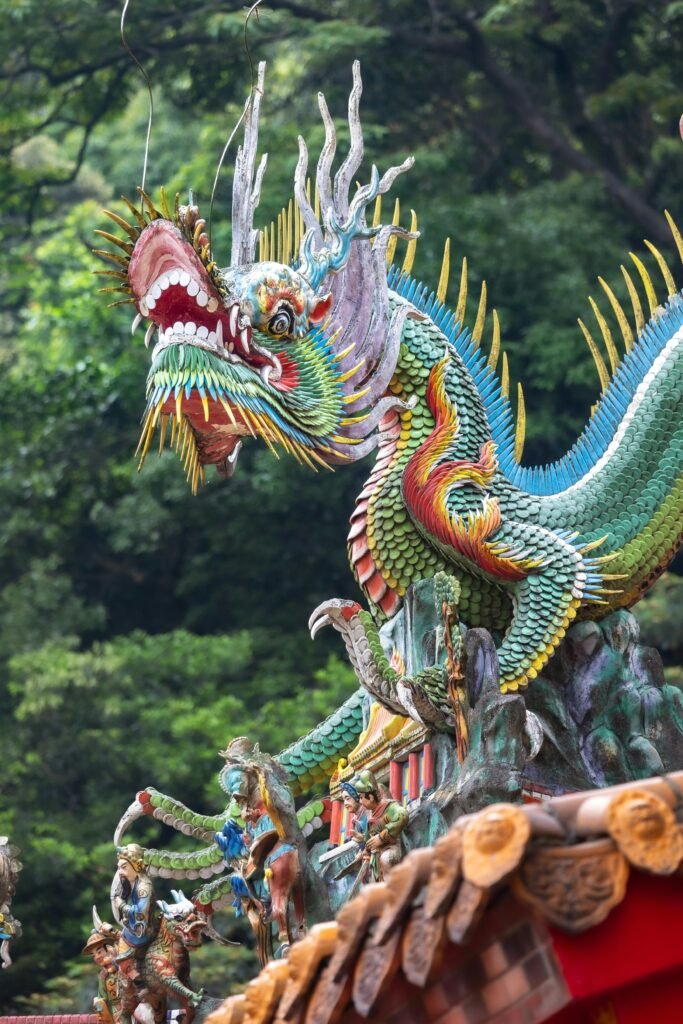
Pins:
x: 531, y: 549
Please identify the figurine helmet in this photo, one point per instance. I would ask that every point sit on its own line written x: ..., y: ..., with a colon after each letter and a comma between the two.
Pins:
x: 134, y: 854
x: 366, y: 782
x: 98, y: 939
x: 350, y: 789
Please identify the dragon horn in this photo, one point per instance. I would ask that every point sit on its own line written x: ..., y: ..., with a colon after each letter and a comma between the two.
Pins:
x: 246, y: 185
x: 96, y: 919
x: 217, y: 937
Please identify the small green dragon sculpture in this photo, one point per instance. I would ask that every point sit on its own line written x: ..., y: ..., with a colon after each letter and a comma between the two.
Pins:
x: 326, y: 351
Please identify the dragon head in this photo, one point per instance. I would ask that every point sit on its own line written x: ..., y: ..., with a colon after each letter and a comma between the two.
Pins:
x: 297, y: 352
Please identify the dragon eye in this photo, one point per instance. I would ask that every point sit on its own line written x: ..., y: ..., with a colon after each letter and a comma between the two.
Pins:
x: 282, y: 322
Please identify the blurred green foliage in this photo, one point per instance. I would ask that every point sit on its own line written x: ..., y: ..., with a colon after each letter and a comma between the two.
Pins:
x: 141, y: 628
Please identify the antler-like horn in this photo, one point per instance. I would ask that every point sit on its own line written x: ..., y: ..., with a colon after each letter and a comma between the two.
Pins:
x: 96, y: 919
x: 369, y: 331
x: 315, y: 266
x: 246, y: 184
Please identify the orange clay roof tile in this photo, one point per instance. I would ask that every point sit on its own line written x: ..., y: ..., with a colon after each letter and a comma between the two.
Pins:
x: 396, y: 934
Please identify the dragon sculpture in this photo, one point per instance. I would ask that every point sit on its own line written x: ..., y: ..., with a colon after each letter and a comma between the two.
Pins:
x: 331, y: 355
x: 326, y: 351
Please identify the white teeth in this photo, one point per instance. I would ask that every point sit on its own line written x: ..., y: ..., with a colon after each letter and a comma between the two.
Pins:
x: 155, y: 290
x: 202, y: 332
x: 244, y: 338
x: 233, y: 320
x: 212, y: 338
x: 151, y: 301
x: 212, y: 304
x: 144, y: 309
x: 231, y: 346
x: 148, y: 334
x: 136, y: 323
x: 178, y: 327
x: 202, y: 298
x: 265, y: 373
x: 167, y: 333
x: 190, y: 329
x: 192, y: 288
x: 219, y: 332
x: 184, y: 278
x: 174, y: 276
x: 163, y: 283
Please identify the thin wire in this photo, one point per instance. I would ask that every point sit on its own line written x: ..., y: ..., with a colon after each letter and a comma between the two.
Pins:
x: 149, y: 90
x: 253, y: 9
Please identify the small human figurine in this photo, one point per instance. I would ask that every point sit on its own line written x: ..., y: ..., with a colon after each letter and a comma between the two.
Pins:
x: 356, y: 821
x: 134, y: 906
x: 386, y: 820
x: 271, y: 875
x: 102, y: 947
x: 356, y: 828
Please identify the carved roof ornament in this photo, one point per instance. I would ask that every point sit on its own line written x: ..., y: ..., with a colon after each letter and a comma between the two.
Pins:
x: 644, y: 828
x: 446, y: 872
x: 493, y: 844
x: 573, y: 887
x: 398, y: 933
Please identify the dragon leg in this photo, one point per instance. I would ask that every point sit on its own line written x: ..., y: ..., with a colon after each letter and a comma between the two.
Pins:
x: 423, y: 697
x: 563, y: 576
x: 161, y: 972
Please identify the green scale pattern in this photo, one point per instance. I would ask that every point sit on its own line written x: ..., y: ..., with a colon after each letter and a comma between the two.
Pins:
x: 314, y: 758
x: 628, y: 506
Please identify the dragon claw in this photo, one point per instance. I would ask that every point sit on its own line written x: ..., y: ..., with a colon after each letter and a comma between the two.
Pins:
x: 336, y: 612
x: 319, y: 624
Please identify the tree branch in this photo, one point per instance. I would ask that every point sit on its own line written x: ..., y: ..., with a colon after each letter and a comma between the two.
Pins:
x: 550, y: 136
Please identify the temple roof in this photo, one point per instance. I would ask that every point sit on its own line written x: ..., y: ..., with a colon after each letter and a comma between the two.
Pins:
x: 475, y: 920
x: 386, y: 736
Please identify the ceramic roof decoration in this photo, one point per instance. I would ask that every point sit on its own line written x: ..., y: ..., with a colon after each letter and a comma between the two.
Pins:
x: 10, y: 928
x: 475, y: 571
x: 490, y: 923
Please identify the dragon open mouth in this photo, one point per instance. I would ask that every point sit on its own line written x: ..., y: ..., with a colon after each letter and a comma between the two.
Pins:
x: 252, y: 349
x: 173, y: 289
x: 191, y: 315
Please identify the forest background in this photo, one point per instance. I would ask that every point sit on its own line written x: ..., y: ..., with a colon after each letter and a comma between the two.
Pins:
x: 141, y: 628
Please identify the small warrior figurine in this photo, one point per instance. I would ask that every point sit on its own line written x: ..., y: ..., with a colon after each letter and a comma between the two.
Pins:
x: 385, y: 821
x: 134, y: 907
x: 272, y: 873
x: 356, y: 821
x: 101, y: 946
